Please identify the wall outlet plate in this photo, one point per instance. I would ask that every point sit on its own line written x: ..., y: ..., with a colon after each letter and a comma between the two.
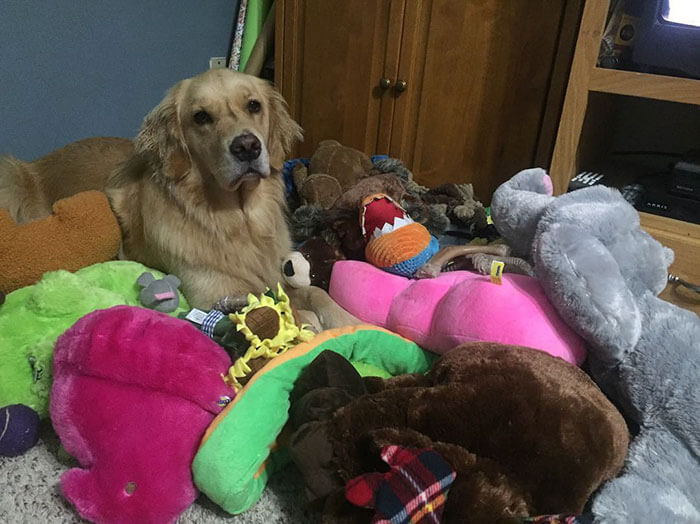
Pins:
x: 217, y: 62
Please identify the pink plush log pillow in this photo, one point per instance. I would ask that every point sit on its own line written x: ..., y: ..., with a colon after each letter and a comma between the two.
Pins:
x: 134, y: 390
x: 441, y: 313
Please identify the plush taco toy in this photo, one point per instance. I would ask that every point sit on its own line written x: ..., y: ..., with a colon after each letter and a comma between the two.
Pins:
x: 244, y: 445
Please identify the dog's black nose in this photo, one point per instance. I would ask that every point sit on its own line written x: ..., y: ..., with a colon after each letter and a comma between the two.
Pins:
x: 288, y: 268
x: 245, y: 147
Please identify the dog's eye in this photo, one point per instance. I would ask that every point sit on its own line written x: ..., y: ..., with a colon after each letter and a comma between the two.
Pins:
x: 253, y: 106
x: 202, y: 117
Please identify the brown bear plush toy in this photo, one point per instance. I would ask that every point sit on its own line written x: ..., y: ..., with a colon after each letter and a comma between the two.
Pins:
x: 526, y: 433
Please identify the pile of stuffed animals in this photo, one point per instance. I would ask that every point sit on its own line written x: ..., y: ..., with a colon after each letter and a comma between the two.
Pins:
x: 467, y: 378
x: 328, y: 190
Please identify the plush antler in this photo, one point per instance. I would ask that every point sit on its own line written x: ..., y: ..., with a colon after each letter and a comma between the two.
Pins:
x: 434, y: 266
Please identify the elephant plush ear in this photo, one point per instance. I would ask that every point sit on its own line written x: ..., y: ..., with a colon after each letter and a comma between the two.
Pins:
x: 517, y: 206
x: 583, y: 281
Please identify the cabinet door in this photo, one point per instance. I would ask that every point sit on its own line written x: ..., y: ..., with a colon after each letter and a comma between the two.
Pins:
x: 477, y: 74
x: 334, y: 53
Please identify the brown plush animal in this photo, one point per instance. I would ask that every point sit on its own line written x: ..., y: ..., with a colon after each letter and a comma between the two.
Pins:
x: 81, y: 231
x: 527, y: 433
x: 311, y: 264
x: 333, y: 169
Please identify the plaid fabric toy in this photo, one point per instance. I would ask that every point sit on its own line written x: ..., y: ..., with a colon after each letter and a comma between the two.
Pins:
x: 412, y: 492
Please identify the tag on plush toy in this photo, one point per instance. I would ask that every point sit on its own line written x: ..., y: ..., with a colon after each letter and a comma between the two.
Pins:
x: 196, y: 315
x: 496, y: 272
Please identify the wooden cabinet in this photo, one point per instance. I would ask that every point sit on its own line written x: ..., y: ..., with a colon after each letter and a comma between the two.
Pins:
x: 480, y: 78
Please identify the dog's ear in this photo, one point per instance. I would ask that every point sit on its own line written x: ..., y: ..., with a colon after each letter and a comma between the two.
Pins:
x: 160, y: 138
x: 284, y: 131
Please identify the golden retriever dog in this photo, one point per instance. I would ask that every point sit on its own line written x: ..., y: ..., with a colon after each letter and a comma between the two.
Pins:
x: 198, y: 193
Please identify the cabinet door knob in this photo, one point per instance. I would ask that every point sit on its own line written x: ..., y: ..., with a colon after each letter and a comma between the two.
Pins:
x: 401, y: 86
x: 385, y: 83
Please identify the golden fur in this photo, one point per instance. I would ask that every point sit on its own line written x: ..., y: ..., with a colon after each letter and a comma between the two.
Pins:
x: 180, y: 206
x: 28, y: 189
x: 185, y: 203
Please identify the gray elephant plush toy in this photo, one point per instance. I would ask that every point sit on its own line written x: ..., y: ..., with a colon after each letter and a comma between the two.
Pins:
x: 160, y: 295
x: 604, y: 273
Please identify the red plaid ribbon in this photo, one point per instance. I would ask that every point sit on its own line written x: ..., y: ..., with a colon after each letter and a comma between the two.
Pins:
x: 414, y: 491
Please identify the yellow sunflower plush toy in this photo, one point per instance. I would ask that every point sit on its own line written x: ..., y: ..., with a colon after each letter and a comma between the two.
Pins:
x: 270, y: 328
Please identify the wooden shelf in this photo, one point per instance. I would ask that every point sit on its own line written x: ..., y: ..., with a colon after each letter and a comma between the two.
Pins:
x: 658, y: 87
x: 684, y: 239
x: 585, y: 77
x: 675, y: 227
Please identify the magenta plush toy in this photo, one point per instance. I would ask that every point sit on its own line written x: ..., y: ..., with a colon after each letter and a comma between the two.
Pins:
x: 457, y: 307
x: 134, y: 390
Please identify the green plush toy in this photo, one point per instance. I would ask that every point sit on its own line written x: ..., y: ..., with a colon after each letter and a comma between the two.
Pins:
x: 236, y: 458
x: 33, y: 317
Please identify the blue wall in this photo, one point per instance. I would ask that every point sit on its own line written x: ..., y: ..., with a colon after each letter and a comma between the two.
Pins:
x: 73, y: 69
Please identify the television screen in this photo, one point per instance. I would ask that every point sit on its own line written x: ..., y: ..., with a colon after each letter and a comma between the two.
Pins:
x: 685, y: 12
x: 668, y: 41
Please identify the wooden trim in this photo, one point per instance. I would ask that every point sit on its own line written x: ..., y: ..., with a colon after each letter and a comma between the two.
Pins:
x: 564, y: 160
x: 571, y: 19
x: 671, y: 226
x: 391, y: 71
x: 658, y: 87
x: 684, y: 239
x: 279, y: 43
x: 414, y: 38
x: 289, y: 19
x: 384, y: 58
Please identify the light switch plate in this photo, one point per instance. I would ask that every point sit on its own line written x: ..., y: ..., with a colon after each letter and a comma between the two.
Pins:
x: 217, y: 62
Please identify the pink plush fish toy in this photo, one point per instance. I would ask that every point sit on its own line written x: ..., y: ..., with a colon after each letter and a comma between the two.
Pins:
x: 134, y: 390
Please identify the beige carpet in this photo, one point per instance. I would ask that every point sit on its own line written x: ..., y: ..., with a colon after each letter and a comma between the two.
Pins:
x: 29, y: 493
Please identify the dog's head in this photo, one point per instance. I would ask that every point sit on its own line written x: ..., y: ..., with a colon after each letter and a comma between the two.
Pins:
x: 223, y: 126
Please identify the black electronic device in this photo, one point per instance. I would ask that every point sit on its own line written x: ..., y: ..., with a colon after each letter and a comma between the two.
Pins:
x: 658, y: 198
x: 685, y: 177
x: 673, y: 193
